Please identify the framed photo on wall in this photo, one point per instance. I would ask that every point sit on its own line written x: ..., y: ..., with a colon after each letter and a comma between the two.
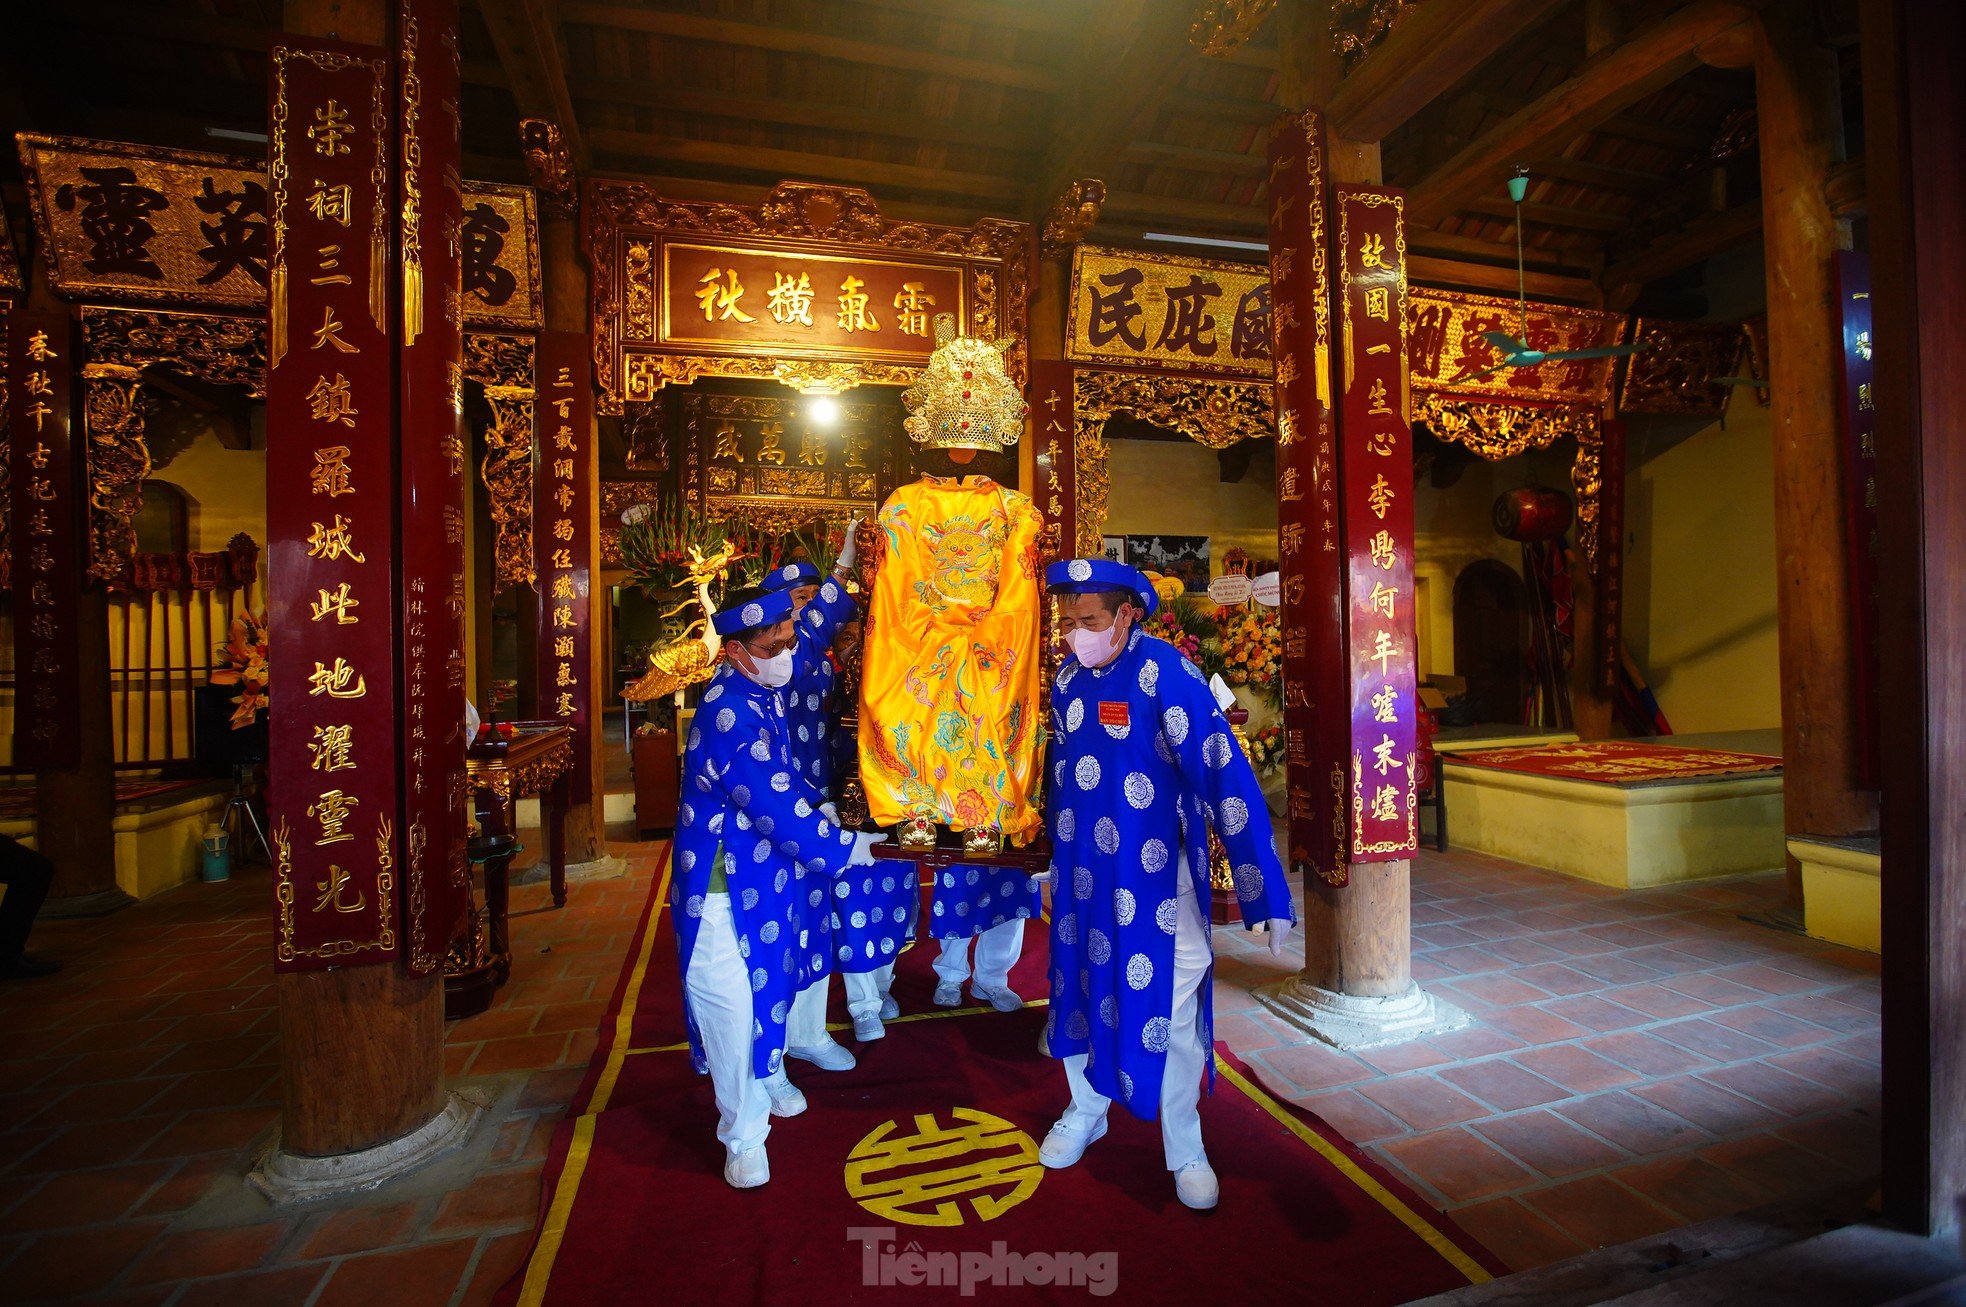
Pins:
x: 1113, y: 548
x: 1182, y: 556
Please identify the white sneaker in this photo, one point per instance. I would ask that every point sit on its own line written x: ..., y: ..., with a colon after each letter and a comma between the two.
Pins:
x: 869, y: 1027
x: 1196, y: 1186
x: 748, y: 1169
x: 829, y: 1056
x: 889, y: 1008
x: 948, y: 993
x: 1063, y: 1146
x: 1005, y: 999
x: 786, y: 1100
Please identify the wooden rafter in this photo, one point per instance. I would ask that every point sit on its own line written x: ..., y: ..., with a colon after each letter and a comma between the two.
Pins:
x: 1192, y: 159
x: 787, y: 39
x: 1425, y: 55
x: 669, y: 98
x: 749, y: 193
x: 1550, y: 215
x: 810, y: 167
x: 1605, y: 86
x: 535, y: 68
x: 1688, y: 245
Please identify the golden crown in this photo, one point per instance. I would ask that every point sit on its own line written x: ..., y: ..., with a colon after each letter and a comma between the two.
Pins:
x: 965, y: 399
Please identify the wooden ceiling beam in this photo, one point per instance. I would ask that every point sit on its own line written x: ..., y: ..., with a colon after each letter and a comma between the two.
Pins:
x: 1429, y: 270
x: 750, y: 193
x: 1425, y: 55
x: 1693, y: 243
x: 1044, y: 17
x: 1191, y: 159
x: 672, y: 99
x: 810, y: 167
x: 786, y: 39
x: 1211, y: 217
x: 1551, y: 215
x: 1426, y: 240
x: 529, y: 50
x: 1600, y: 176
x: 1254, y: 112
x: 1605, y: 86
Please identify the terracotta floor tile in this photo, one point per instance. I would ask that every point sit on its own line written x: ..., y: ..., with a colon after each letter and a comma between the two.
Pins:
x: 1599, y: 1212
x: 1764, y: 1023
x: 361, y: 1229
x: 1549, y: 1143
x: 1646, y: 1053
x: 1767, y: 979
x: 425, y: 1273
x: 1702, y: 1036
x: 74, y: 1148
x: 1534, y: 1025
x: 1790, y: 1095
x: 1823, y: 1010
x: 1422, y: 1101
x: 498, y: 1023
x: 1400, y: 1058
x: 1478, y: 1041
x: 527, y: 1051
x: 1517, y: 1235
x: 1707, y: 1106
x: 189, y: 1182
x: 1656, y: 1001
x: 211, y: 1132
x: 289, y: 1286
x: 196, y: 1254
x: 1696, y: 1190
x: 1771, y: 1162
x: 1615, y: 969
x: 1498, y: 991
x: 1851, y: 1078
x: 494, y: 1203
x: 1632, y: 1123
x: 1502, y: 1084
x: 1850, y: 1139
x: 86, y: 1197
x: 1596, y: 1013
x: 1575, y: 1068
x: 1461, y: 1166
x: 1559, y: 979
x: 76, y: 1262
x: 1311, y: 1067
x: 241, y: 1087
x: 1354, y: 1116
x: 498, y: 1259
x: 1466, y: 961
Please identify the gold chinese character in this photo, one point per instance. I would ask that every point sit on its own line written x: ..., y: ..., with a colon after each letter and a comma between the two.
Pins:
x: 37, y: 347
x: 719, y: 296
x: 561, y: 559
x: 330, y: 260
x: 563, y: 675
x: 39, y: 411
x: 563, y: 617
x: 338, y: 602
x: 563, y: 496
x: 563, y: 706
x: 563, y: 587
x: 913, y: 303
x: 1287, y: 485
x: 563, y: 469
x: 1286, y: 369
x: 563, y: 646
x: 1381, y: 546
x: 337, y: 682
x: 1280, y: 261
x: 1380, y: 498
x: 1382, y: 755
x: 331, y: 746
x: 791, y: 298
x: 1383, y: 650
x: 853, y: 307
x: 331, y: 542
x: 857, y: 448
x: 332, y: 811
x: 332, y: 889
x: 329, y: 333
x: 1385, y: 705
x: 330, y: 125
x: 563, y: 528
x: 812, y: 449
x: 39, y: 383
x: 1862, y: 346
x: 331, y: 203
x: 1383, y: 598
x: 1385, y: 804
x: 1377, y: 303
x: 1380, y: 407
x: 331, y: 401
x: 726, y: 442
x: 1372, y: 252
x: 38, y: 456
x: 770, y: 450
x: 1863, y: 395
x: 1291, y: 535
x: 331, y: 473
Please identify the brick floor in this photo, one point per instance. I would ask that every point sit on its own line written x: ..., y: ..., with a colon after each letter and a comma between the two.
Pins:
x: 1639, y: 1061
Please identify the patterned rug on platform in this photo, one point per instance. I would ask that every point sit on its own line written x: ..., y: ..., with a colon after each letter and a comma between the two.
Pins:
x: 1620, y: 762
x: 919, y: 1167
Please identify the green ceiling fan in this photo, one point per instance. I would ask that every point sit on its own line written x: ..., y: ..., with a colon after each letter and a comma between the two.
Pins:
x: 1515, y: 350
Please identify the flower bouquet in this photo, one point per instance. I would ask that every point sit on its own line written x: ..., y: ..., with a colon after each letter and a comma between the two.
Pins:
x: 1190, y: 625
x: 241, y: 661
x: 1252, y: 648
x: 1266, y: 749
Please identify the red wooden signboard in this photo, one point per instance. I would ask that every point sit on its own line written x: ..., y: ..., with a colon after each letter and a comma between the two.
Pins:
x: 436, y: 875
x: 563, y: 533
x: 45, y: 516
x: 1375, y: 474
x: 331, y: 488
x: 1054, y: 446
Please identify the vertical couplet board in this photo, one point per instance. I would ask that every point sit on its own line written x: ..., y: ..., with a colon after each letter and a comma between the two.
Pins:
x: 331, y: 507
x: 1375, y: 473
x: 1860, y: 495
x: 430, y: 356
x: 563, y: 528
x: 1054, y: 445
x: 1316, y: 689
x: 1610, y: 555
x: 45, y: 514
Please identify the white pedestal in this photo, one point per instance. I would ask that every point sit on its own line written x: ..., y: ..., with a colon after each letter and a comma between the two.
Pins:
x: 1351, y: 1023
x: 286, y: 1178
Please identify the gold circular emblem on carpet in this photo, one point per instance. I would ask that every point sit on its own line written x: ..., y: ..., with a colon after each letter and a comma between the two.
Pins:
x: 977, y: 1165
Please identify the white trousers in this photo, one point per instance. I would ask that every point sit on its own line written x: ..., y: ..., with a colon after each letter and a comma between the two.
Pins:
x: 867, y: 990
x: 1180, y: 1086
x: 805, y: 1024
x: 997, y: 951
x: 719, y: 990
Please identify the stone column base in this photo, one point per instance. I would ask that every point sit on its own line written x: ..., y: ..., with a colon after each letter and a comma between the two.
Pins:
x: 1348, y: 1022
x: 286, y: 1178
x: 606, y: 867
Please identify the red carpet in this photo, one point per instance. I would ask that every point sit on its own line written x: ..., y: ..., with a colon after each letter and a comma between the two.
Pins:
x: 937, y: 1131
x: 1617, y: 762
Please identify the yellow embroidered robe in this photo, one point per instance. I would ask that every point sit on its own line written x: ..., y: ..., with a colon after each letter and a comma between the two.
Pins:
x: 950, y: 716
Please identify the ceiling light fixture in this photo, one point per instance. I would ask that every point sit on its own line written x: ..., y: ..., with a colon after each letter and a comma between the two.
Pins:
x: 1170, y: 238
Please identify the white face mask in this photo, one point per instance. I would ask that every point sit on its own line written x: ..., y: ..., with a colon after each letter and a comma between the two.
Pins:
x: 771, y: 672
x: 1095, y: 648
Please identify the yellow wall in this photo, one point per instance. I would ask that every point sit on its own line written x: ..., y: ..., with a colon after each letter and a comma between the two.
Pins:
x: 1700, y: 573
x: 1175, y: 487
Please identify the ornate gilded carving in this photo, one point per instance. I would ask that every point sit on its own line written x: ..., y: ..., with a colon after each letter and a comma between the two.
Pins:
x: 226, y: 351
x: 1359, y: 25
x: 532, y: 776
x: 1222, y: 26
x: 10, y: 282
x: 503, y: 365
x: 1072, y: 215
x: 548, y: 164
x: 6, y: 456
x: 1675, y: 373
x: 998, y: 252
x: 649, y: 373
x: 1500, y: 430
x: 1756, y: 329
x: 1212, y: 413
x: 1587, y: 478
x: 119, y: 460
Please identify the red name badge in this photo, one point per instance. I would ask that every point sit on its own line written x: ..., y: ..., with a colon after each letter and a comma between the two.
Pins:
x: 1113, y: 714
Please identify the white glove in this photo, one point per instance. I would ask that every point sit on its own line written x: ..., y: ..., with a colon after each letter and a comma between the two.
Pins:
x: 862, y: 843
x: 832, y: 813
x: 1041, y: 877
x: 850, y: 549
x: 1279, y: 928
